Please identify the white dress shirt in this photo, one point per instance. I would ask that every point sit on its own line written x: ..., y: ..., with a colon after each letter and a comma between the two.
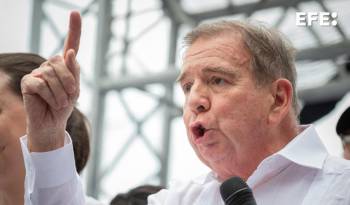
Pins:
x: 302, y: 173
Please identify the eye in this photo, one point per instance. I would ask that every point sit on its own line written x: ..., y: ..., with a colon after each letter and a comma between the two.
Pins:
x: 217, y: 80
x: 186, y: 87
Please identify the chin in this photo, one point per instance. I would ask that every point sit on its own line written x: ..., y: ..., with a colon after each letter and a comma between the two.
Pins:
x: 214, y: 158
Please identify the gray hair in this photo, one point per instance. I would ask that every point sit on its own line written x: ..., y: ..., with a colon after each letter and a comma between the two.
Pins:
x: 272, y: 54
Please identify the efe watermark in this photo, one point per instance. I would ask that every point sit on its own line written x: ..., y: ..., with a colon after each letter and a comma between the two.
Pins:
x: 322, y: 18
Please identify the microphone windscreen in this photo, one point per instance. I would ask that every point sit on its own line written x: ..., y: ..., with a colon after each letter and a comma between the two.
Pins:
x: 236, y: 191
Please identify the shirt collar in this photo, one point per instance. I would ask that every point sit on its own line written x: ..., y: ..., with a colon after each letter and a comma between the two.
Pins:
x: 211, y: 176
x: 305, y: 149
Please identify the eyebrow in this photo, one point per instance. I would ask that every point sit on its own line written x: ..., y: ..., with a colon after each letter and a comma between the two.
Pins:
x: 181, y: 76
x: 222, y: 70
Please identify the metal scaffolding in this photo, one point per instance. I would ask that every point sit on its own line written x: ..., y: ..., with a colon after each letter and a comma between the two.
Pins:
x: 115, y: 26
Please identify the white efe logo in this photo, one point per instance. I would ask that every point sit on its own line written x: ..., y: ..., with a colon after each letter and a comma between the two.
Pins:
x: 323, y: 18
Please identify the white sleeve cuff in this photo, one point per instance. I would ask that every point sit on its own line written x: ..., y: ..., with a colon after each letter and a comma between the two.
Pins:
x: 49, y: 169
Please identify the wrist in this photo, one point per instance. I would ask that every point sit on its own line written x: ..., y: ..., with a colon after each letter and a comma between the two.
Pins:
x: 45, y: 140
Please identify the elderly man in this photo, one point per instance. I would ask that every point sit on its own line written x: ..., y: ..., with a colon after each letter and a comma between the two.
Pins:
x: 343, y: 130
x: 240, y: 115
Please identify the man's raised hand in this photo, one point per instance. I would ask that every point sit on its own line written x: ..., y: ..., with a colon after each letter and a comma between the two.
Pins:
x: 50, y: 92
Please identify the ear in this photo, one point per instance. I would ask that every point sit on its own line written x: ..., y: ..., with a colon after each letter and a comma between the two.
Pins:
x: 282, y: 92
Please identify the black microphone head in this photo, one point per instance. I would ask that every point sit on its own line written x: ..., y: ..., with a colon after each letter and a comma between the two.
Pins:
x: 236, y: 191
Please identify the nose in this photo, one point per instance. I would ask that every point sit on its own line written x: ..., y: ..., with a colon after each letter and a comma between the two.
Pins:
x: 198, y: 99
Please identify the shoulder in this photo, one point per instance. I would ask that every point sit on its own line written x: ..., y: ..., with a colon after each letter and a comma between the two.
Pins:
x: 336, y: 175
x: 329, y: 183
x: 337, y: 165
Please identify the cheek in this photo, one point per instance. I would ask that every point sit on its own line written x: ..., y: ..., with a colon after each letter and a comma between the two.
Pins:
x: 6, y: 134
x: 12, y: 129
x: 17, y: 130
x: 239, y: 117
x: 11, y: 161
x: 231, y: 109
x: 21, y: 127
x: 20, y: 119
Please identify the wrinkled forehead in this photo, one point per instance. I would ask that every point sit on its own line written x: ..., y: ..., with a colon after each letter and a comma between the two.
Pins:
x: 234, y: 38
x: 220, y: 49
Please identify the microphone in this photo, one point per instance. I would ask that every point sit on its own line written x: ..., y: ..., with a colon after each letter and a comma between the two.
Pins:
x: 235, y: 191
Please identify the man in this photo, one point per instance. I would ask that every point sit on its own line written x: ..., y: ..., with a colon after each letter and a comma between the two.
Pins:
x: 240, y: 115
x: 343, y: 130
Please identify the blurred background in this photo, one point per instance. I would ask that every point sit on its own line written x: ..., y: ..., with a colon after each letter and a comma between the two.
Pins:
x: 130, y: 56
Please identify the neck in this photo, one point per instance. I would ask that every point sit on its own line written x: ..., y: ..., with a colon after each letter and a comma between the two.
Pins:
x: 249, y: 158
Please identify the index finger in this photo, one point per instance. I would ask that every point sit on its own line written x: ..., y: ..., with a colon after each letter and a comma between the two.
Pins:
x: 73, y: 37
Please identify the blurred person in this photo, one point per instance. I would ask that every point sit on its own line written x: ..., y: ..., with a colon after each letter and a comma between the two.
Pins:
x: 136, y: 196
x: 77, y: 124
x: 343, y: 130
x: 240, y: 114
x: 13, y: 66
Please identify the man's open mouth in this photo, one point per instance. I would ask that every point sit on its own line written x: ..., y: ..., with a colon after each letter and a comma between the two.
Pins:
x: 198, y: 130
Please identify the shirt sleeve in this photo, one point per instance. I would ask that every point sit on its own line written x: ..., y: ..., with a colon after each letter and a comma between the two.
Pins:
x: 51, y: 177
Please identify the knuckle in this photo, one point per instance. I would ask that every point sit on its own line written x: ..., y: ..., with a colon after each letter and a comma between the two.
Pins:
x: 41, y: 84
x: 24, y: 79
x: 24, y: 83
x: 67, y: 78
x: 43, y: 64
x: 62, y: 96
x: 49, y: 72
x: 35, y: 71
x: 55, y: 59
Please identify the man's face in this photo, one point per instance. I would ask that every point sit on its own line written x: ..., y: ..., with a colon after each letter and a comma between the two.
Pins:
x: 225, y: 113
